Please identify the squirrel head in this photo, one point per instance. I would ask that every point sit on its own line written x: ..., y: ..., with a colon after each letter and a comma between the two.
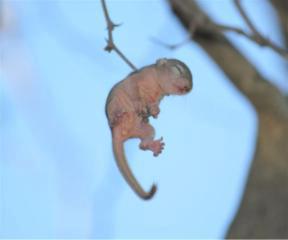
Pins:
x: 175, y: 77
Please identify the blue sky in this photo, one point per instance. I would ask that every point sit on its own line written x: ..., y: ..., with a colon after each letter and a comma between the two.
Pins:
x: 58, y: 175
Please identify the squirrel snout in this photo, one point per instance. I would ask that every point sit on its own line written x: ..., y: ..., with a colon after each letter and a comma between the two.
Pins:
x: 184, y: 89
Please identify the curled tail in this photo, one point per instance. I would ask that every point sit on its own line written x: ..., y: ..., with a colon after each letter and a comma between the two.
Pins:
x: 118, y: 149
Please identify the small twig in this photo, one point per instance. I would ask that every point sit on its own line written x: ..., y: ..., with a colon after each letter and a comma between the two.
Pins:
x: 224, y: 28
x: 171, y: 46
x: 110, y: 42
x: 192, y: 29
x: 256, y: 35
x: 246, y: 18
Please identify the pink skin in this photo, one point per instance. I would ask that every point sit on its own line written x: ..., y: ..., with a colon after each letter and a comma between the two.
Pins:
x: 128, y: 125
x: 155, y: 146
x: 154, y: 110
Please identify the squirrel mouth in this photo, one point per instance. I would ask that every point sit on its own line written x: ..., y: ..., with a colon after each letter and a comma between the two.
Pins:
x: 184, y: 89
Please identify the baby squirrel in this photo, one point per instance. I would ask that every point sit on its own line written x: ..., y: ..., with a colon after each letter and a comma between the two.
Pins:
x: 133, y: 100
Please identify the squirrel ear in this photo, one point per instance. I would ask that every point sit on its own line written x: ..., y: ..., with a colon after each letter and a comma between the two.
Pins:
x: 161, y: 61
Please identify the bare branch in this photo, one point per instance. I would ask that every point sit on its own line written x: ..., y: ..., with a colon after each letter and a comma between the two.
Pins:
x: 245, y: 17
x: 110, y: 42
x: 208, y: 26
x: 256, y: 35
x: 211, y: 27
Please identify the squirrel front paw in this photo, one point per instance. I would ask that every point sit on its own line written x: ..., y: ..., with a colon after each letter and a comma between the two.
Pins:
x: 154, y: 110
x: 141, y: 109
x: 157, y: 146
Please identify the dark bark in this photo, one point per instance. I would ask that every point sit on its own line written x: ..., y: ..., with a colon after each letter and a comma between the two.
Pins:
x: 281, y: 6
x: 263, y: 212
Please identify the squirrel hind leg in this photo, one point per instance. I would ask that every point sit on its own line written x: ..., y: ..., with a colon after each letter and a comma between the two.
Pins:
x: 146, y: 133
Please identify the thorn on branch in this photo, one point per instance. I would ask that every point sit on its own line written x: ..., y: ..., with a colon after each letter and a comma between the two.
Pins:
x: 111, y: 26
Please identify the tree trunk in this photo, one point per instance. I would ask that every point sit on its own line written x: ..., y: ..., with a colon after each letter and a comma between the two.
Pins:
x: 264, y: 209
x: 263, y: 212
x: 281, y: 7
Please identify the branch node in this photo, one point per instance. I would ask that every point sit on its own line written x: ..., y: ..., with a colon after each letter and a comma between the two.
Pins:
x: 110, y: 46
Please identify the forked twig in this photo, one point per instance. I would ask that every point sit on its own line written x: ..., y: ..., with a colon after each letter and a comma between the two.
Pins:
x: 245, y: 17
x: 256, y: 36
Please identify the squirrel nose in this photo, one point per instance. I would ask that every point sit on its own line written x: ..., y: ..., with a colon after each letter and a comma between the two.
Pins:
x: 186, y: 89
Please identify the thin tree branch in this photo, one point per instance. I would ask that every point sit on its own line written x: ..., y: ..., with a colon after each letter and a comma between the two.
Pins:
x: 110, y: 42
x: 256, y: 36
x: 171, y: 46
x: 192, y: 29
x: 246, y: 18
x: 212, y: 27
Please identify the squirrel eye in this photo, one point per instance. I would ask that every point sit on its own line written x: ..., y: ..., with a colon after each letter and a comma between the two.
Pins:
x: 176, y: 69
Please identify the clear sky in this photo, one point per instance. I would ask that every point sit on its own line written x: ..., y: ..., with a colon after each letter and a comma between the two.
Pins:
x: 58, y: 175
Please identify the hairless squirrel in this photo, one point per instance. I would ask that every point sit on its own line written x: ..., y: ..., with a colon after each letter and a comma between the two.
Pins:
x: 133, y: 100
